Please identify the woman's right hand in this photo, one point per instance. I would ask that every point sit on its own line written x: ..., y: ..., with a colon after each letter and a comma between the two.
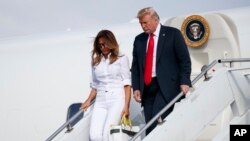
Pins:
x: 87, y: 102
x: 85, y: 105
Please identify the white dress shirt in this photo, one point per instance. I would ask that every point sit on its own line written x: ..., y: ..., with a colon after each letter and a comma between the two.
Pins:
x: 106, y: 76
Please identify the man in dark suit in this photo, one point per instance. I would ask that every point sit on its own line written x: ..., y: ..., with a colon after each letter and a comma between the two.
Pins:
x: 156, y: 82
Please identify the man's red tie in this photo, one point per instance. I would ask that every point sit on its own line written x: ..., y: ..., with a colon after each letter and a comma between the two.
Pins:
x: 149, y: 61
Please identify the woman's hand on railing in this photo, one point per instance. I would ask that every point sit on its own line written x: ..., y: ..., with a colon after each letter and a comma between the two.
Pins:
x: 85, y: 105
x: 89, y: 100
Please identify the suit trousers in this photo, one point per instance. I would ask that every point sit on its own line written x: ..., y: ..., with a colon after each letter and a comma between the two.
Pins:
x: 153, y: 102
x: 106, y: 112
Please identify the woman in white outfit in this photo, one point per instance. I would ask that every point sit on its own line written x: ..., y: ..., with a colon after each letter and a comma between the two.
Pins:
x: 111, y: 86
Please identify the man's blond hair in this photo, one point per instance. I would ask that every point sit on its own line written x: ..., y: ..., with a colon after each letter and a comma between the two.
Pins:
x: 148, y: 11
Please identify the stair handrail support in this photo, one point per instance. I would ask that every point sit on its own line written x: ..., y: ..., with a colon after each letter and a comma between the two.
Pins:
x: 157, y: 116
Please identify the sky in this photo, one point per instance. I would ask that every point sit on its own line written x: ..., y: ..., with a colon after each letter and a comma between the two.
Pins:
x: 27, y: 17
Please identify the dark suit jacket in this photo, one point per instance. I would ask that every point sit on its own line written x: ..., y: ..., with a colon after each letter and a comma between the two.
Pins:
x: 173, y: 64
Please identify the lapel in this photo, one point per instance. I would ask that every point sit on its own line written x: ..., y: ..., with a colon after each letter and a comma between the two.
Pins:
x: 144, y: 48
x: 161, y: 41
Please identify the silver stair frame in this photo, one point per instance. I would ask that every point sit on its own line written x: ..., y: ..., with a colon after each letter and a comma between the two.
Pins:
x: 60, y: 129
x: 157, y: 117
x: 197, y: 78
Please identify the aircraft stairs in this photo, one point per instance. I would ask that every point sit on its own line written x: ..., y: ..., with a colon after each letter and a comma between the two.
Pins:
x: 220, y: 100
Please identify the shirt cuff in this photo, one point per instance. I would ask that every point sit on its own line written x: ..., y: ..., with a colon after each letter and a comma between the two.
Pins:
x: 92, y: 86
x: 127, y: 82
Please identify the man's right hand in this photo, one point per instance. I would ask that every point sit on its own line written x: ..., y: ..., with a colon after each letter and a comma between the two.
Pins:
x: 137, y: 96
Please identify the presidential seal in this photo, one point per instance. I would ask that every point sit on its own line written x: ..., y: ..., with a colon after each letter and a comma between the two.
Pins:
x: 195, y: 30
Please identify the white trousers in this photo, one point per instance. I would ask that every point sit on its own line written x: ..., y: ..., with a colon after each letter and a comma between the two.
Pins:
x: 107, y: 111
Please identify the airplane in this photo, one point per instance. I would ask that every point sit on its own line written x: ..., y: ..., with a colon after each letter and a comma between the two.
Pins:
x: 42, y: 75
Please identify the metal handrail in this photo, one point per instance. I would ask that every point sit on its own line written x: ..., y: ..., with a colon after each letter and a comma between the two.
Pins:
x: 60, y: 129
x: 234, y: 60
x: 230, y: 61
x: 156, y: 117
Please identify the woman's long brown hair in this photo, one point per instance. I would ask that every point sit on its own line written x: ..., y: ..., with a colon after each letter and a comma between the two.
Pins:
x: 111, y: 43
